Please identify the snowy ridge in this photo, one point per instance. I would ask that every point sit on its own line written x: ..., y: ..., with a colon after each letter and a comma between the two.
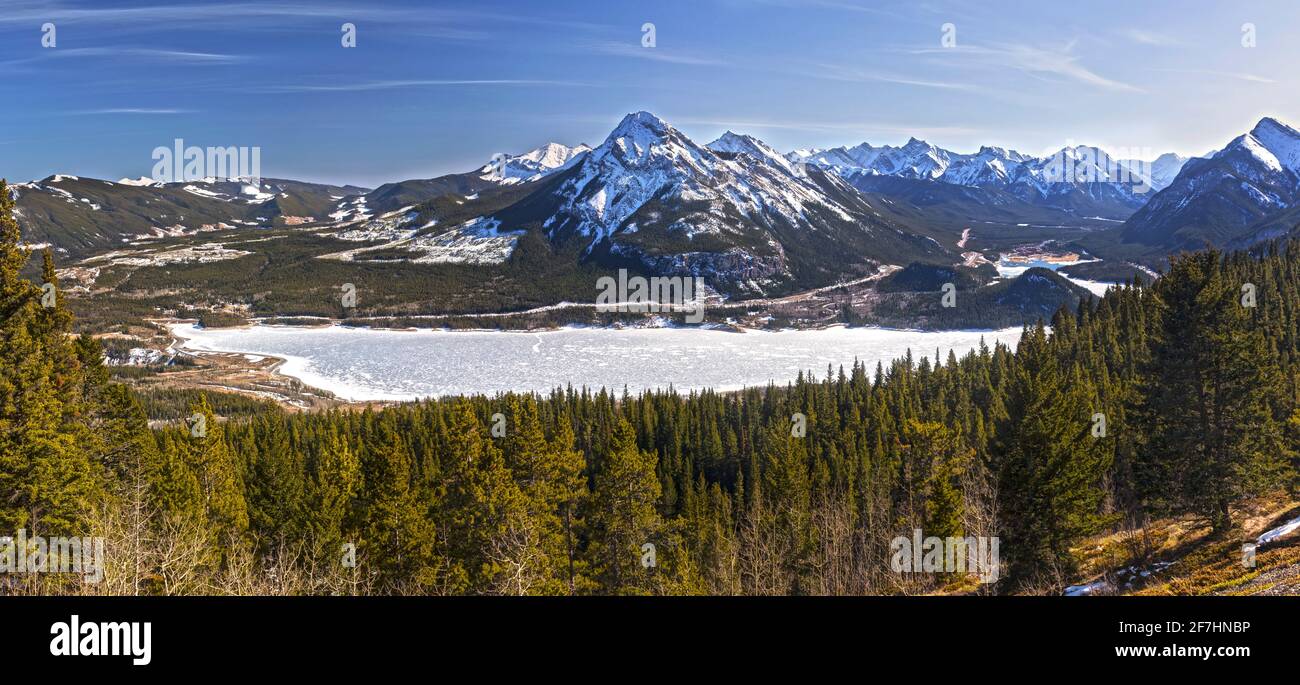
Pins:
x: 533, y: 164
x: 1231, y: 195
x: 1068, y: 170
x: 1281, y: 142
x: 646, y: 159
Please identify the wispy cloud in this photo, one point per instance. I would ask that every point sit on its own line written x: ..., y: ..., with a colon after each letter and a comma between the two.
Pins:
x: 659, y: 54
x: 273, y: 15
x: 1240, y: 76
x: 1145, y: 37
x: 841, y: 5
x: 835, y: 72
x: 131, y: 110
x: 417, y: 83
x: 133, y: 54
x: 1033, y: 61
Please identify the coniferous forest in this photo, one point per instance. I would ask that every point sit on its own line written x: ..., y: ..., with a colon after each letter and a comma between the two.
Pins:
x: 1177, y: 399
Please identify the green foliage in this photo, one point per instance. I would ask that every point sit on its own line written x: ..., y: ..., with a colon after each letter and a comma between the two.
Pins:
x: 1213, y: 404
x: 593, y: 493
x: 1050, y: 466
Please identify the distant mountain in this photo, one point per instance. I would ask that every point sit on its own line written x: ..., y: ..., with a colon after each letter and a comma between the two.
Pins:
x: 1246, y: 192
x: 81, y: 215
x: 734, y: 211
x: 1081, y: 180
x: 535, y: 164
x: 508, y: 170
x: 1161, y: 171
x: 738, y: 144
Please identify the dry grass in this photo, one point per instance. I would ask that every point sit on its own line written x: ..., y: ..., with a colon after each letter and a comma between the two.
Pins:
x: 1182, y: 558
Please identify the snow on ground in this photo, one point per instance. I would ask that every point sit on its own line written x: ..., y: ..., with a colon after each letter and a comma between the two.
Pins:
x: 203, y: 192
x: 1092, y: 588
x: 476, y: 242
x: 138, y: 356
x: 352, y: 210
x: 257, y: 195
x: 83, y: 276
x: 389, y: 227
x: 143, y: 181
x: 1278, y: 533
x: 202, y: 254
x: 366, y: 364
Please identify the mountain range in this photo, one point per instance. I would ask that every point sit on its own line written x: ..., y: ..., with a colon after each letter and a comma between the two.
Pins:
x: 1076, y: 178
x: 1244, y: 194
x: 754, y: 220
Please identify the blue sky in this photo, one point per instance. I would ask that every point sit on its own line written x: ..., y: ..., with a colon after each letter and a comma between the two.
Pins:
x: 438, y: 87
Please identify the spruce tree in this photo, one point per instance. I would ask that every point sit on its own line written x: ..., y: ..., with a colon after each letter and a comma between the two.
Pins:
x: 1210, y: 400
x: 1050, y: 468
x: 623, y: 516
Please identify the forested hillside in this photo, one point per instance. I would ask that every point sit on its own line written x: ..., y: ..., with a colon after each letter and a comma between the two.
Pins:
x: 1177, y: 399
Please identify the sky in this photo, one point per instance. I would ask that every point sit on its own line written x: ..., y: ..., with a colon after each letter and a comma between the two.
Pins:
x: 436, y: 87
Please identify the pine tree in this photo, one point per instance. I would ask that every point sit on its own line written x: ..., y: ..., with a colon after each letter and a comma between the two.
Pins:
x: 1210, y: 397
x: 47, y: 482
x: 488, y: 526
x: 397, y: 540
x: 1050, y: 467
x: 623, y: 517
x: 203, y: 450
x: 334, y: 487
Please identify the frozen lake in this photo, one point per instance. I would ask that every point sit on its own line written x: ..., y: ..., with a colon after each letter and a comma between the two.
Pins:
x: 372, y: 364
x: 1008, y: 269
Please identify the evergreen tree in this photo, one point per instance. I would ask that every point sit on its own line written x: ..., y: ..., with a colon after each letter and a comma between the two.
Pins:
x: 47, y: 482
x: 1210, y: 396
x: 1050, y: 467
x: 623, y: 516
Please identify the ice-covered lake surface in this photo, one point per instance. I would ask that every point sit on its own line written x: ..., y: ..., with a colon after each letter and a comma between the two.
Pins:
x: 377, y: 364
x: 1007, y: 269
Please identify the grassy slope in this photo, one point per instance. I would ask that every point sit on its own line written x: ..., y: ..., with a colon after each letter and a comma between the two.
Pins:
x: 1201, y: 565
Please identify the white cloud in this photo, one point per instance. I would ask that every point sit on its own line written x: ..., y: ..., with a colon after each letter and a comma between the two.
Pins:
x: 659, y: 54
x: 836, y: 72
x: 418, y: 83
x: 1032, y: 60
x: 1145, y: 37
x: 1240, y: 76
x: 133, y: 110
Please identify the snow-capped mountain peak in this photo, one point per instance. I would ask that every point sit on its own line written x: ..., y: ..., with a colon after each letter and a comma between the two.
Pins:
x: 649, y: 184
x: 552, y: 155
x: 737, y: 143
x: 643, y: 139
x: 1165, y: 168
x: 1281, y: 141
x: 1241, y: 193
x: 533, y: 164
x: 1000, y: 153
